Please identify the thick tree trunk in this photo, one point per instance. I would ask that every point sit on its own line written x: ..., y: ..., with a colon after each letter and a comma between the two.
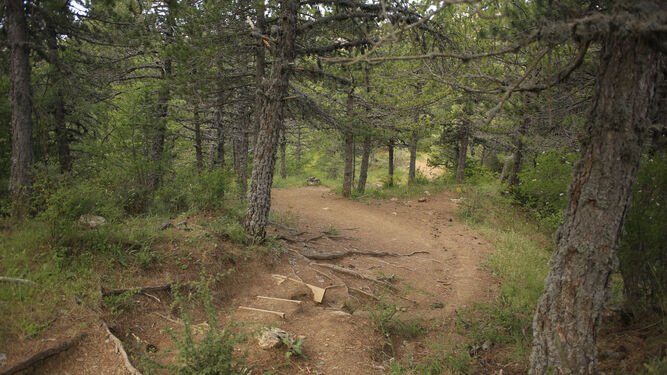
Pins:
x: 569, y: 313
x: 463, y: 154
x: 283, y: 154
x: 390, y: 147
x: 349, y: 162
x: 20, y: 183
x: 273, y: 92
x: 363, y: 168
x: 260, y: 62
x: 412, y: 171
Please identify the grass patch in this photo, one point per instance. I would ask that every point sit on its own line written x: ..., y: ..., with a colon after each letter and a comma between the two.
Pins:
x: 520, y: 261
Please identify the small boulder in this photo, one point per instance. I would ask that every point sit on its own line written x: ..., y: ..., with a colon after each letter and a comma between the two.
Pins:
x: 421, y: 200
x: 313, y: 181
x: 274, y: 337
x: 91, y: 221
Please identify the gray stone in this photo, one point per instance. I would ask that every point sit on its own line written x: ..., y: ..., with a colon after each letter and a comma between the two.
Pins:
x: 91, y: 221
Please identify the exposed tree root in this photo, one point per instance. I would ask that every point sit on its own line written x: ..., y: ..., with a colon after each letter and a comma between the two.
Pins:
x: 43, y: 355
x: 373, y: 296
x: 119, y: 349
x: 347, y: 253
x: 283, y: 226
x: 17, y: 280
x: 355, y: 274
x: 139, y: 289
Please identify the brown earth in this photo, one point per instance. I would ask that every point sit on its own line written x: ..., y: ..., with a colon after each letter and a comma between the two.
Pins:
x: 427, y: 287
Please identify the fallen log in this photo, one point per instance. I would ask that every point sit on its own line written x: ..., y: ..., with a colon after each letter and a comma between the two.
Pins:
x: 119, y: 349
x: 43, y: 355
x: 355, y: 274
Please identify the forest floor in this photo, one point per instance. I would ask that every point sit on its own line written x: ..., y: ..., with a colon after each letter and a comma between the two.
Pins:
x: 361, y: 327
x: 400, y: 276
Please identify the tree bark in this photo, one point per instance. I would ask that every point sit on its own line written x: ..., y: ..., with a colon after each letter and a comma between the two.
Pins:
x: 390, y: 147
x: 363, y: 168
x: 349, y: 163
x: 569, y: 312
x: 199, y: 156
x: 283, y: 154
x: 503, y: 173
x: 463, y: 153
x: 20, y: 183
x: 219, y: 160
x: 260, y: 62
x: 513, y: 180
x: 162, y: 113
x: 412, y: 171
x: 270, y: 122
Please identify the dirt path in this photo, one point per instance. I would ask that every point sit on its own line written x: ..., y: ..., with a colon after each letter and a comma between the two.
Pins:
x: 340, y: 334
x: 446, y: 279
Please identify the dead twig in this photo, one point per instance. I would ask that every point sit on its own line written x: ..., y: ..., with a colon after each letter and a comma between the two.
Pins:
x: 280, y: 299
x: 373, y: 296
x: 17, y: 280
x: 44, y: 355
x: 152, y: 296
x: 280, y: 314
x: 140, y: 289
x: 355, y: 274
x: 119, y: 349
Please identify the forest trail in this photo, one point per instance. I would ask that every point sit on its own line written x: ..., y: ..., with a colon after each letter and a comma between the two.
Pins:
x: 431, y: 286
x: 439, y: 274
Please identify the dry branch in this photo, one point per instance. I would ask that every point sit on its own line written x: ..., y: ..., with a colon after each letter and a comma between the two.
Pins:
x: 355, y: 274
x: 119, y: 349
x: 43, y: 355
x: 139, y: 289
x: 373, y: 296
x: 280, y: 314
x: 348, y: 253
x: 280, y: 299
x: 16, y: 280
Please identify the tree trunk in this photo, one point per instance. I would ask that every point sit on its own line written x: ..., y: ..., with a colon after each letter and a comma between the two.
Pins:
x: 390, y: 147
x: 412, y: 172
x: 513, y: 180
x: 349, y: 161
x: 199, y: 156
x: 463, y: 154
x: 283, y: 156
x: 569, y: 313
x: 363, y: 168
x: 219, y: 160
x: 298, y: 148
x: 270, y: 122
x: 260, y: 60
x: 20, y: 183
x: 240, y: 144
x: 503, y: 173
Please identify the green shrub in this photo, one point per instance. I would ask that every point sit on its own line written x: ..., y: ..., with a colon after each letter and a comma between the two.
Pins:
x: 543, y: 186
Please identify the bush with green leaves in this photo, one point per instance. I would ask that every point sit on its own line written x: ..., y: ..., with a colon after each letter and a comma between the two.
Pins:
x: 214, y: 353
x: 543, y: 186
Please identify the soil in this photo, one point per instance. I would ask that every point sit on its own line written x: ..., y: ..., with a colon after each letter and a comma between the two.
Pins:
x: 440, y: 274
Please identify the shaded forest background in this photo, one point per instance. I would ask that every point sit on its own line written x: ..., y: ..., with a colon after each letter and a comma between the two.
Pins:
x: 154, y: 108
